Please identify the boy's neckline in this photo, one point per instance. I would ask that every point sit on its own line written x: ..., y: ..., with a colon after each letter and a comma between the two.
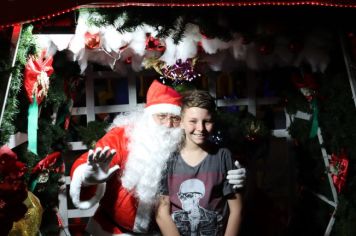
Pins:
x: 193, y: 159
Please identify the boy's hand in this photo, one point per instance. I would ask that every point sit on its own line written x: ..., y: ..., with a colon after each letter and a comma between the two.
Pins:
x: 237, y: 177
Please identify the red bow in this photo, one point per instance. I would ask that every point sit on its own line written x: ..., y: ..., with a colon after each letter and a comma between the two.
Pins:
x: 37, y: 71
x: 48, y: 162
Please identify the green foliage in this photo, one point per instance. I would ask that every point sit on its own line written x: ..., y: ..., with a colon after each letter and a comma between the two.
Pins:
x: 27, y: 47
x: 337, y: 121
x: 337, y: 118
x: 92, y: 133
x: 213, y: 22
x: 56, y: 96
x: 239, y: 131
x: 50, y: 138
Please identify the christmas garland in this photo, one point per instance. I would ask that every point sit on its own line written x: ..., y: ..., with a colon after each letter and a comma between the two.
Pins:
x: 27, y: 47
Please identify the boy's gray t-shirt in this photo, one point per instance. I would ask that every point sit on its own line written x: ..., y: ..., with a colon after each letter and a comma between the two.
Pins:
x: 199, y: 194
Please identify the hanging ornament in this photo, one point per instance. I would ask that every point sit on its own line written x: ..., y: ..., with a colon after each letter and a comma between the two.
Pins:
x: 178, y: 72
x: 154, y: 44
x: 36, y: 82
x: 339, y: 165
x: 92, y: 41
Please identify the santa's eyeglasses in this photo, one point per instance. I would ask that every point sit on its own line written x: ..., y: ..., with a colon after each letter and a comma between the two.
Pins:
x: 164, y: 118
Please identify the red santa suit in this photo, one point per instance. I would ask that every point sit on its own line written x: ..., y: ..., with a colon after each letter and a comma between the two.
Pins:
x: 121, y: 208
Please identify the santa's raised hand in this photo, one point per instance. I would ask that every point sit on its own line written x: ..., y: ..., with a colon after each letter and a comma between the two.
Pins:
x: 97, y: 167
x: 237, y: 177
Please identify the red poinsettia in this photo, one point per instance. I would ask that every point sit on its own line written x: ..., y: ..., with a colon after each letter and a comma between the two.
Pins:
x: 13, y: 190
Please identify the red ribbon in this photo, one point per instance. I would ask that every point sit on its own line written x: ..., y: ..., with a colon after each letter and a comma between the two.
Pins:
x: 339, y: 166
x: 33, y: 69
x: 47, y: 163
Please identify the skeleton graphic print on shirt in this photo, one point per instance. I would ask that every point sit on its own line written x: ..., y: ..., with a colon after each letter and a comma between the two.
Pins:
x: 193, y: 219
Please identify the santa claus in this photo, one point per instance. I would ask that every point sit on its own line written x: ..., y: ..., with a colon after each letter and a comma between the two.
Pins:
x: 124, y: 170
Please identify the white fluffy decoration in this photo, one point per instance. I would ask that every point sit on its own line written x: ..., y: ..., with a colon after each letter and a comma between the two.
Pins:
x: 111, y: 39
x: 169, y: 55
x: 211, y: 46
x: 77, y: 44
x: 121, y: 46
x: 138, y: 42
x: 188, y: 46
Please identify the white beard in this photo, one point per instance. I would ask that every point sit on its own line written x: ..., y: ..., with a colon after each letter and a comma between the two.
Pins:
x: 149, y: 149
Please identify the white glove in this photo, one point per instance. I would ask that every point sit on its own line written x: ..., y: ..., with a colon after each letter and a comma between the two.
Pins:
x: 237, y: 177
x: 97, y: 167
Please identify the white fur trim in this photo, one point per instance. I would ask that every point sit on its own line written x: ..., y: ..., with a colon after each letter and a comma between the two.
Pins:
x: 75, y: 188
x: 163, y: 108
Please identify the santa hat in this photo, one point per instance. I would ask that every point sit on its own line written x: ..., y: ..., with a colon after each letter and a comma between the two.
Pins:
x: 163, y: 99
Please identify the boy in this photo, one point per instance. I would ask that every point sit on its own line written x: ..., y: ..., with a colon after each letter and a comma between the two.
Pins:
x: 196, y: 197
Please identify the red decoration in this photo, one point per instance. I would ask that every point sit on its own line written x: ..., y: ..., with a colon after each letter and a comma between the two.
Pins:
x: 153, y: 44
x: 37, y: 73
x: 47, y: 163
x: 339, y: 165
x: 306, y: 84
x: 13, y: 189
x: 92, y: 41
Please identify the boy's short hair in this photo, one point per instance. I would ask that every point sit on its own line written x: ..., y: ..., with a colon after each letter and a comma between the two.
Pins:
x: 198, y: 98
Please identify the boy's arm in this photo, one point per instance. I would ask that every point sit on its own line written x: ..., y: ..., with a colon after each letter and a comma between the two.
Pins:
x: 234, y: 221
x: 164, y: 219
